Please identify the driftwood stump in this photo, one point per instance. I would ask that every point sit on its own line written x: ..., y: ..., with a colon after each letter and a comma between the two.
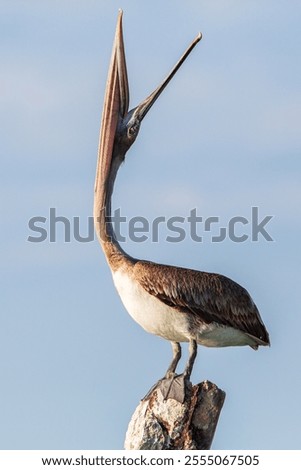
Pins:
x: 159, y: 424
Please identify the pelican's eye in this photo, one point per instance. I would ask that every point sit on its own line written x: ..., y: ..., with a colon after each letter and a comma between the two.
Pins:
x: 133, y: 129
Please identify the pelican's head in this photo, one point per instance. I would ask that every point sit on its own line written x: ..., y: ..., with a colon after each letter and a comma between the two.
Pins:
x: 120, y: 126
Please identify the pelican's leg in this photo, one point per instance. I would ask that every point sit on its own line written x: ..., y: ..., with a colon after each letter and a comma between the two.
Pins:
x: 167, y: 385
x: 193, y: 349
x: 176, y: 350
x: 174, y: 385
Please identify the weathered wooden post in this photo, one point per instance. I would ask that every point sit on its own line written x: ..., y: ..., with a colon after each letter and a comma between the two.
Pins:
x: 159, y: 424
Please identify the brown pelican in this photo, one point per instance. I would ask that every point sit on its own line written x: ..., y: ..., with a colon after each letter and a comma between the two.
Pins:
x: 178, y: 304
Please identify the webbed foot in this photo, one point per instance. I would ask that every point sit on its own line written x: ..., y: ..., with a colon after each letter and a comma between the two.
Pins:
x: 171, y: 386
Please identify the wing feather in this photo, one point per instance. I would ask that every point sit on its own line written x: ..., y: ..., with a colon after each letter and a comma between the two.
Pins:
x: 211, y: 297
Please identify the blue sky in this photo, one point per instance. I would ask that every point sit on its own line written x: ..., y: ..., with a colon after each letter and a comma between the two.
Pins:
x: 223, y: 138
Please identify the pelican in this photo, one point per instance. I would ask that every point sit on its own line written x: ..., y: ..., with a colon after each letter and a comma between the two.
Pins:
x: 175, y: 303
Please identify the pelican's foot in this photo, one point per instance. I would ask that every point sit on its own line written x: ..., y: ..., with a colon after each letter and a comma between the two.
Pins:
x: 171, y: 386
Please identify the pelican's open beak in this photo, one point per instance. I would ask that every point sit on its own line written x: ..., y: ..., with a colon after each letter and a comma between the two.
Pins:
x: 117, y: 91
x: 116, y: 102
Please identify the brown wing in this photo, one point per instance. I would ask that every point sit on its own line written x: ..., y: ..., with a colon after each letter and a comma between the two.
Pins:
x: 212, y: 297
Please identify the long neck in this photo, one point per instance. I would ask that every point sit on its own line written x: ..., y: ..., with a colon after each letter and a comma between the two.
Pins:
x: 104, y: 185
